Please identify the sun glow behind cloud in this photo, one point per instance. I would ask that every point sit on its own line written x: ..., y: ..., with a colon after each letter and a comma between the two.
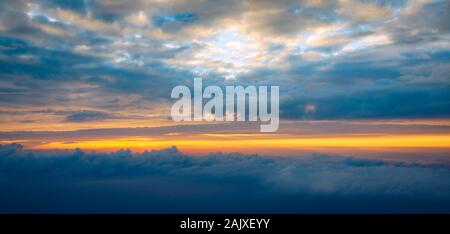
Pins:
x: 264, y: 144
x: 358, y: 138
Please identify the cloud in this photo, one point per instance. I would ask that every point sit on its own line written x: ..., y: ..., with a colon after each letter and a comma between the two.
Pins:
x: 364, y: 11
x: 86, y: 115
x: 170, y: 181
x: 382, y: 103
x: 88, y: 54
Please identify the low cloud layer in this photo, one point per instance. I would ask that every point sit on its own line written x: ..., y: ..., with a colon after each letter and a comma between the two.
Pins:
x: 169, y: 181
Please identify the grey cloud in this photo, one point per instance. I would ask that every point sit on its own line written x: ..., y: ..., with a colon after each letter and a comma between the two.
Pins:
x: 40, y: 67
x: 86, y: 115
x: 413, y: 29
x: 169, y: 181
x: 394, y: 103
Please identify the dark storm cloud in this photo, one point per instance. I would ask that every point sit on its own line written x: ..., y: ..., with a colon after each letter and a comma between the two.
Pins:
x: 35, y: 75
x: 393, y: 102
x: 416, y: 85
x: 43, y: 63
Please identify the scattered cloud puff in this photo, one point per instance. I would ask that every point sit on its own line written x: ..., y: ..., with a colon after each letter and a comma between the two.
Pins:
x: 170, y: 181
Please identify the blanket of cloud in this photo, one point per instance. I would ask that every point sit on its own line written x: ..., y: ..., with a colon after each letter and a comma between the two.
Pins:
x: 168, y: 181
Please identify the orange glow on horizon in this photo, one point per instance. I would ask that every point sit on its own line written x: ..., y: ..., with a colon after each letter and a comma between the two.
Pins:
x: 256, y: 142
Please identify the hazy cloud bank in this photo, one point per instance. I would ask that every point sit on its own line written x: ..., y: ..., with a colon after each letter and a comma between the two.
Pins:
x: 169, y: 181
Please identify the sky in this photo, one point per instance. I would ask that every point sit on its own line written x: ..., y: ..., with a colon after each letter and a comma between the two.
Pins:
x: 85, y: 100
x: 71, y: 65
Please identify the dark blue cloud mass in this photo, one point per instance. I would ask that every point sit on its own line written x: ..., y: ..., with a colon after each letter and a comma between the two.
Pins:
x: 85, y: 115
x: 168, y: 181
